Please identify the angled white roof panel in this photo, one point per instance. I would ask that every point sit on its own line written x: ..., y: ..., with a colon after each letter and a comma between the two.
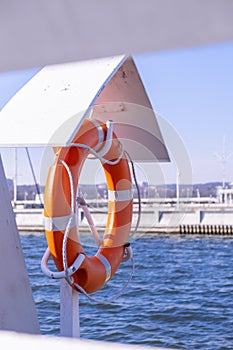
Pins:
x: 124, y: 100
x: 50, y: 108
x: 52, y: 97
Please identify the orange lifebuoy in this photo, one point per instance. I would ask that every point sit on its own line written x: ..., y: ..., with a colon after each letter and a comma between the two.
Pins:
x: 96, y: 270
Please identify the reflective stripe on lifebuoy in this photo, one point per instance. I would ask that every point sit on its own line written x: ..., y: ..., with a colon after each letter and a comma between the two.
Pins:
x: 95, y: 270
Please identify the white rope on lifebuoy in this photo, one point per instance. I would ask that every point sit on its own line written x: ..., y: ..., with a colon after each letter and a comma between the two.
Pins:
x: 66, y: 235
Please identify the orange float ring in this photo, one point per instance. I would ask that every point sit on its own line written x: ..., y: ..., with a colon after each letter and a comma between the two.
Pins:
x: 94, y: 271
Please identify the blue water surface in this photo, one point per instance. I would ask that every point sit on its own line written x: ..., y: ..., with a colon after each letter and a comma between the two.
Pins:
x: 181, y: 294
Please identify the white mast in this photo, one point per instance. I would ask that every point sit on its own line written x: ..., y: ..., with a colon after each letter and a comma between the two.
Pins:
x: 223, y: 159
x: 177, y: 187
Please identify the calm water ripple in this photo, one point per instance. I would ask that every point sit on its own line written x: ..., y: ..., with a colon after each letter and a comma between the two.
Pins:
x: 180, y: 295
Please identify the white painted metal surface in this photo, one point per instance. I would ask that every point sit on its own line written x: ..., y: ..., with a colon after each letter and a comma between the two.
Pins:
x: 50, y: 108
x: 17, y: 308
x: 12, y: 340
x: 37, y: 33
x: 69, y: 311
x: 57, y: 95
x: 125, y: 101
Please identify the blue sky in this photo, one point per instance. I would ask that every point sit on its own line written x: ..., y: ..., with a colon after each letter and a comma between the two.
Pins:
x: 191, y: 88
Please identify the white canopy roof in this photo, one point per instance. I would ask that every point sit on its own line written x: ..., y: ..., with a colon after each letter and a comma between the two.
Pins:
x: 50, y: 108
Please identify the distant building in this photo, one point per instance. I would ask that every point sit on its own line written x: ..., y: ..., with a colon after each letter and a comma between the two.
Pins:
x: 225, y: 195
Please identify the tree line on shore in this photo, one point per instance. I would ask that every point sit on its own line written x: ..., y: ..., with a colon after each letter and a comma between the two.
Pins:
x: 98, y: 191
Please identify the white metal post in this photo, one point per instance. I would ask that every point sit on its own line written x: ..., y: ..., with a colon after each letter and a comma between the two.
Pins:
x: 69, y: 306
x: 69, y: 311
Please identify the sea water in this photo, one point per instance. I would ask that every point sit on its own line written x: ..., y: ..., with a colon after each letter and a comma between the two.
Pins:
x: 180, y: 296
